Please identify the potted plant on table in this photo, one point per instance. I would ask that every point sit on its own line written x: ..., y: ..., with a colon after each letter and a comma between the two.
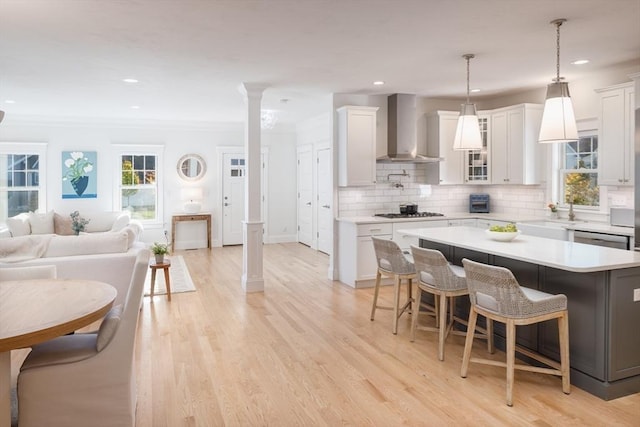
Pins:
x: 159, y: 251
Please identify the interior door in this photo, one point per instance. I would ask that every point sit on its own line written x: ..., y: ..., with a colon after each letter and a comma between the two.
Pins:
x: 233, y: 198
x: 325, y: 199
x: 305, y: 197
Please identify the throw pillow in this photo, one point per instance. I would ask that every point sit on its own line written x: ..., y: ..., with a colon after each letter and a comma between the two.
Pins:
x: 121, y: 221
x: 88, y: 244
x: 19, y: 225
x: 62, y: 225
x: 41, y: 223
x: 108, y: 327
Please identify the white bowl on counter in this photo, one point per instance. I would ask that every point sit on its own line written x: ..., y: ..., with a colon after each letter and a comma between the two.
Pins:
x: 502, y: 236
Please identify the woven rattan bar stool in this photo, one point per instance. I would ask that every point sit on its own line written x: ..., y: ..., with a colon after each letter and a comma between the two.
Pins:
x: 445, y: 282
x: 495, y: 293
x: 392, y: 263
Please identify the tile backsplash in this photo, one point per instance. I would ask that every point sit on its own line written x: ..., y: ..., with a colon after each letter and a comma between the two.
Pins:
x: 401, y: 183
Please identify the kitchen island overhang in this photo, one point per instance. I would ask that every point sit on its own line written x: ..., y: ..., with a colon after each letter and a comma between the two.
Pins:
x: 599, y: 283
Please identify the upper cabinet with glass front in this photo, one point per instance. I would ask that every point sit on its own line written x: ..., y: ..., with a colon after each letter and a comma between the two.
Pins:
x: 615, y: 134
x: 477, y: 161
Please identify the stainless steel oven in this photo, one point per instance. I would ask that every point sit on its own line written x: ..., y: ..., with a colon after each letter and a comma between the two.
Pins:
x: 602, y: 239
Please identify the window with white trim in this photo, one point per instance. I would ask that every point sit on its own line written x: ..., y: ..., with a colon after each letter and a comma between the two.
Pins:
x: 579, y: 172
x: 138, y: 187
x: 22, y: 173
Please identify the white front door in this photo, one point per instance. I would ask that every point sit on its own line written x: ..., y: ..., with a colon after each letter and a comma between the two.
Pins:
x: 325, y: 200
x: 233, y: 198
x: 305, y: 197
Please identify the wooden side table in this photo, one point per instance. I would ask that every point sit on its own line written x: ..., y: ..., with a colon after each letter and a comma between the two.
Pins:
x: 165, y: 265
x: 190, y: 217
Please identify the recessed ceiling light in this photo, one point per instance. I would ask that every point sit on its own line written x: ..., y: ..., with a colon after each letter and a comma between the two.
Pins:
x: 475, y: 90
x: 129, y: 80
x: 378, y: 83
x: 135, y: 107
x: 10, y: 101
x: 580, y: 62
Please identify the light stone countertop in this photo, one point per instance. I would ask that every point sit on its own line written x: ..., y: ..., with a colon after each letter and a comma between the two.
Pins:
x: 598, y: 227
x: 381, y: 220
x: 569, y: 256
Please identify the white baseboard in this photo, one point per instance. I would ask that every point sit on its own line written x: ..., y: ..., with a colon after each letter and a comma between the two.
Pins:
x: 283, y: 238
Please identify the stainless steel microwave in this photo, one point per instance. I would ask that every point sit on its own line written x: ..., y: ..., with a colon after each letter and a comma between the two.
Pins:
x: 479, y: 203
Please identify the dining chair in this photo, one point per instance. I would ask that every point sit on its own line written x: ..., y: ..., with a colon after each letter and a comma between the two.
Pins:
x: 495, y: 293
x: 392, y: 262
x: 445, y: 282
x: 86, y: 379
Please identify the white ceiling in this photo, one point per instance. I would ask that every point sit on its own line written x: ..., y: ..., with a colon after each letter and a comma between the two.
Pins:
x: 67, y: 58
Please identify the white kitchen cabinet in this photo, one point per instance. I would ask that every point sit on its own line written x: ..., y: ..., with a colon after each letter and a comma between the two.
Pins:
x: 469, y: 222
x: 356, y: 145
x: 441, y: 130
x: 516, y: 155
x: 615, y: 135
x: 357, y: 260
x: 405, y: 241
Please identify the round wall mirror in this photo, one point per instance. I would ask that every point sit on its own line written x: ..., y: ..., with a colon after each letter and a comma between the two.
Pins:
x: 191, y: 167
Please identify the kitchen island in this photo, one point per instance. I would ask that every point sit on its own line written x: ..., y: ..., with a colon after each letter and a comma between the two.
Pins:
x: 599, y: 283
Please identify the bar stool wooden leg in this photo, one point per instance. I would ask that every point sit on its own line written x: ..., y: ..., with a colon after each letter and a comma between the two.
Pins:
x: 442, y: 328
x: 167, y: 282
x: 563, y: 330
x: 396, y: 303
x: 410, y: 295
x: 511, y: 359
x: 417, y: 296
x: 490, y: 347
x: 468, y: 342
x: 375, y: 294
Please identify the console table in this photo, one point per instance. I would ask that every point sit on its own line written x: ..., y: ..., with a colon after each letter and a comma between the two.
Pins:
x: 190, y: 217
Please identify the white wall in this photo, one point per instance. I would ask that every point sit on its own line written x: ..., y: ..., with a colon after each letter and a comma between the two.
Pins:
x: 178, y: 139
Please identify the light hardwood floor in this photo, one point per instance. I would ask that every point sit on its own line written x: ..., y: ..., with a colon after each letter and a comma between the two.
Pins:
x: 304, y: 353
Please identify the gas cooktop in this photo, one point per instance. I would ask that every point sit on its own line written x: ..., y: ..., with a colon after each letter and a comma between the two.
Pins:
x: 415, y: 215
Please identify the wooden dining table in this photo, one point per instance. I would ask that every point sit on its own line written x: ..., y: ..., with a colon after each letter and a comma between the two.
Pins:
x: 34, y: 311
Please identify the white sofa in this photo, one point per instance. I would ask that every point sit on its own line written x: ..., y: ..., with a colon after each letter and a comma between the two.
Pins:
x: 106, y: 251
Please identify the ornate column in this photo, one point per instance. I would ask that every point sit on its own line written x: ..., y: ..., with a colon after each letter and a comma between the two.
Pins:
x: 252, y: 280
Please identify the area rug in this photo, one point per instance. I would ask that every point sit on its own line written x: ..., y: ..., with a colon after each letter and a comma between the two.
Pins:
x: 178, y: 274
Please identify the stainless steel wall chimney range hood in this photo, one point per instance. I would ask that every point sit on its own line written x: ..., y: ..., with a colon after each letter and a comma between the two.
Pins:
x: 402, y: 142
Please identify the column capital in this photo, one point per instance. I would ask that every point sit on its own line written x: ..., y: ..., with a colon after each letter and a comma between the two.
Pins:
x: 252, y: 90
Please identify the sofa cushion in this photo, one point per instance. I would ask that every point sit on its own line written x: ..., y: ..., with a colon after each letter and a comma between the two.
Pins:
x: 19, y: 225
x: 100, y: 221
x: 23, y: 248
x: 41, y: 223
x: 90, y: 243
x: 27, y: 273
x: 62, y: 225
x: 108, y: 327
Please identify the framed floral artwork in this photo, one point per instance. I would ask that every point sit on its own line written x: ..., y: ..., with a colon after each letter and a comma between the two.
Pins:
x: 79, y: 178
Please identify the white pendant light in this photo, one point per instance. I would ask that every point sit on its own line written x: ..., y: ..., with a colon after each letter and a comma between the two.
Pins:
x: 558, y: 118
x: 468, y: 129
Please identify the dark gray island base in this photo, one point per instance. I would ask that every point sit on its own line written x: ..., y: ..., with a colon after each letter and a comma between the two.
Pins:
x: 604, y: 321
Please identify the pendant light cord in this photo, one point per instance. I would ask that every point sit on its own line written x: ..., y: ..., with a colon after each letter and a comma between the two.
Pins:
x: 468, y: 56
x: 468, y: 79
x: 558, y: 23
x: 558, y: 50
